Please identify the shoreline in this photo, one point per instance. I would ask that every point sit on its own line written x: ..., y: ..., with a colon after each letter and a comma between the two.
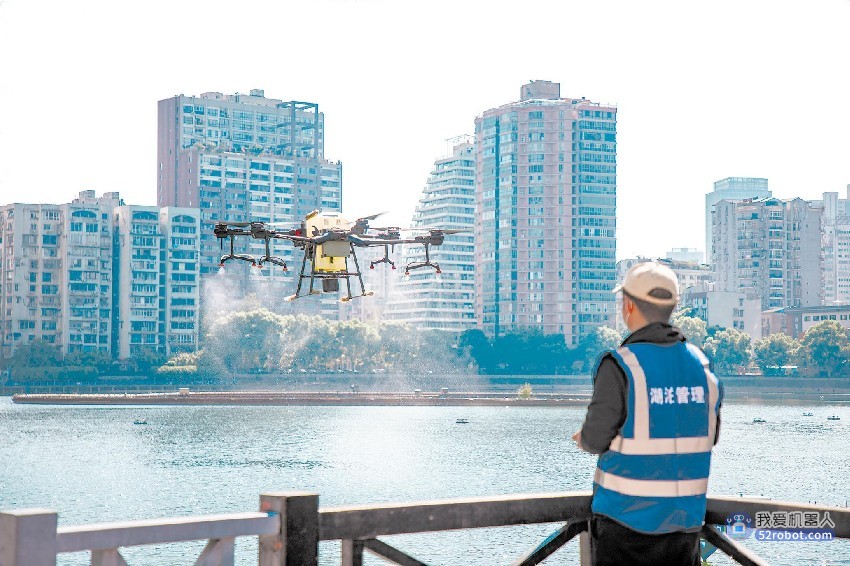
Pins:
x: 388, y: 399
x: 283, y: 398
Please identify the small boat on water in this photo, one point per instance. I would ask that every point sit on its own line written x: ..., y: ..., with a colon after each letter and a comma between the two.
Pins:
x: 461, y: 421
x: 808, y: 414
x: 759, y: 420
x: 833, y: 418
x: 140, y: 421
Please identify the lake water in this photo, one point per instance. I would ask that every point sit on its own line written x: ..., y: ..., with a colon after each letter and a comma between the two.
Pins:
x: 93, y: 464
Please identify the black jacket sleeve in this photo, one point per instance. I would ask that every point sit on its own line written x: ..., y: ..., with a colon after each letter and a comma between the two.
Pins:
x: 607, y: 410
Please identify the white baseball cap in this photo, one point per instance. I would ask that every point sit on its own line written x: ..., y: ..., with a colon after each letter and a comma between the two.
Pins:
x: 643, y: 278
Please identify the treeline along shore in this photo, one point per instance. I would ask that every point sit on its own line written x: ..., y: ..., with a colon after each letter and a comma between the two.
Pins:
x: 427, y: 390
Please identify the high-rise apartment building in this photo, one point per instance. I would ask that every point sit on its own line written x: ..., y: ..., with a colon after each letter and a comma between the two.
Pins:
x: 769, y: 248
x: 730, y: 188
x: 546, y: 189
x: 87, y: 272
x: 138, y: 248
x: 31, y: 275
x: 181, y: 231
x: 246, y: 158
x: 835, y: 248
x: 444, y: 301
x: 58, y: 274
x: 157, y: 280
x: 96, y: 275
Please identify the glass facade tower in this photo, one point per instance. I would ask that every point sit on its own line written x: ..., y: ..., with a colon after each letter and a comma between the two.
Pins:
x: 546, y: 214
x: 444, y: 302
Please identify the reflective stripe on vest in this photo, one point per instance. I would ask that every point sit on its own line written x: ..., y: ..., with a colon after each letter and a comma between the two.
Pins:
x: 651, y: 479
x: 642, y: 443
x: 650, y: 488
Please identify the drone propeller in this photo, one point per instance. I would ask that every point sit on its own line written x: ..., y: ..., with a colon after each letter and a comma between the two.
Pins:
x: 427, y: 229
x: 373, y: 217
x: 388, y: 229
x: 225, y: 223
x: 364, y: 221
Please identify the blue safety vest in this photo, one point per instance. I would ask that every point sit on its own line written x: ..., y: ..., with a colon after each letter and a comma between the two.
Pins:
x: 654, y: 475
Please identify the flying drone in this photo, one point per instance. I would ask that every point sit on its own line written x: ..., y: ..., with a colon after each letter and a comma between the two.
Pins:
x: 328, y: 241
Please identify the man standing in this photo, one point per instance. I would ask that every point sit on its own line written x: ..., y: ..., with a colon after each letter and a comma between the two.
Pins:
x: 653, y: 419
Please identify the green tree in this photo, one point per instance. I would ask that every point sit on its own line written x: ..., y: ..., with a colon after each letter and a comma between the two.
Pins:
x: 713, y: 330
x: 355, y: 343
x: 36, y: 354
x: 36, y: 361
x: 241, y: 341
x: 600, y: 340
x: 399, y: 347
x: 478, y: 347
x: 730, y: 349
x: 184, y: 359
x: 525, y: 391
x: 439, y: 352
x: 825, y: 349
x: 148, y: 360
x: 774, y: 351
x: 316, y: 348
x: 692, y: 327
x: 99, y: 360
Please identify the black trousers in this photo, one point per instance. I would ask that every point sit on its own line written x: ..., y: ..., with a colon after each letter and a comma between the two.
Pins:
x: 612, y: 544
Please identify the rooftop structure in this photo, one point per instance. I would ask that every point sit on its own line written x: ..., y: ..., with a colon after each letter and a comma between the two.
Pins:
x: 730, y: 188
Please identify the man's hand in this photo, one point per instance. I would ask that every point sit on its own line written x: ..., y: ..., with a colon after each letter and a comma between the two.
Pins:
x: 577, y: 438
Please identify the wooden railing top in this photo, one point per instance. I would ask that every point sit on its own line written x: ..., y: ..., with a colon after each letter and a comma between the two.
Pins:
x: 173, y: 529
x: 369, y: 521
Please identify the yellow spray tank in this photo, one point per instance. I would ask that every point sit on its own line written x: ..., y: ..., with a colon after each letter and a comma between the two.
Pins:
x: 330, y: 257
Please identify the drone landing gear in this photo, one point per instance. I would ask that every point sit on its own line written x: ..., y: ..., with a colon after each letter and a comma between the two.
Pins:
x: 275, y: 260
x: 363, y: 291
x: 349, y: 298
x: 420, y: 264
x: 385, y: 259
x: 243, y: 257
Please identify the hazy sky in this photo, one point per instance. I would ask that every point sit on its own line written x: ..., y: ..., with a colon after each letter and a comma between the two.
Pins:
x: 705, y: 90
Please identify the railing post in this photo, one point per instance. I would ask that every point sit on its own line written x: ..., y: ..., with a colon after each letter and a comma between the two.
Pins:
x: 28, y: 537
x: 109, y: 557
x: 298, y: 541
x: 584, y: 548
x: 352, y: 552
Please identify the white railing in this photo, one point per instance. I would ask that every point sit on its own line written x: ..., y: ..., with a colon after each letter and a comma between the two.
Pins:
x: 290, y: 526
x: 30, y: 537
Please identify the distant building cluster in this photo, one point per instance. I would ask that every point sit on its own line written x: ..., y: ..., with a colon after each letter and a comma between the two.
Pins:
x: 532, y: 195
x: 98, y: 275
x: 775, y: 265
x: 786, y: 255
